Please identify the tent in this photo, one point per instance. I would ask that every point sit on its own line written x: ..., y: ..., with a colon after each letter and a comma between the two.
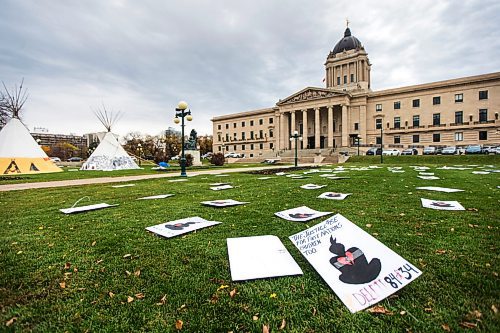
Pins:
x: 109, y: 155
x: 19, y: 152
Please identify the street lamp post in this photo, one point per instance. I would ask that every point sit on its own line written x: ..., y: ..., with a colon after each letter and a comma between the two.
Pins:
x: 139, y: 151
x: 381, y: 146
x: 181, y: 112
x: 295, y: 137
x: 358, y: 141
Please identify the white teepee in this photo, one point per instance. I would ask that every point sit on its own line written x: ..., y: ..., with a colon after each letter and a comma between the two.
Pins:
x: 109, y: 155
x: 19, y: 152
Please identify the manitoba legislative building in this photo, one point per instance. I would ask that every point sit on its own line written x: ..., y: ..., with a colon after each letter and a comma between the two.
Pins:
x: 455, y: 112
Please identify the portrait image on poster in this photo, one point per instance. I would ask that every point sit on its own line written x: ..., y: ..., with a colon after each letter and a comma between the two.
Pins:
x: 333, y: 195
x: 182, y: 226
x: 223, y: 203
x: 300, y: 214
x: 441, y: 205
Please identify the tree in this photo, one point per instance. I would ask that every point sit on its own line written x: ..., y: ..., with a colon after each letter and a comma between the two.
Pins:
x: 11, y: 102
x: 205, y: 143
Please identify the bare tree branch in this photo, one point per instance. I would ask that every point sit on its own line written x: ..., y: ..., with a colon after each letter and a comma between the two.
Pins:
x: 11, y: 102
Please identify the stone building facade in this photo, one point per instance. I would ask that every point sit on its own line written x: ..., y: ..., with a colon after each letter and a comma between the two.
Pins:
x: 456, y: 112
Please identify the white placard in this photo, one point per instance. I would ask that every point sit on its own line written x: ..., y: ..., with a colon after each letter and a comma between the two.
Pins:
x: 177, y: 180
x: 160, y: 196
x: 221, y: 175
x: 280, y: 173
x: 265, y: 178
x: 85, y: 208
x: 441, y: 205
x: 438, y: 189
x: 358, y: 268
x: 333, y: 195
x: 221, y: 187
x: 182, y: 226
x: 259, y: 257
x: 337, y: 178
x: 223, y: 203
x: 426, y: 173
x: 125, y: 185
x: 480, y: 172
x: 219, y: 184
x: 312, y: 186
x: 428, y: 177
x: 300, y: 214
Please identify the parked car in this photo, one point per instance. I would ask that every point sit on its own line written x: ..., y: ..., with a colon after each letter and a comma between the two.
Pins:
x: 473, y: 149
x: 232, y: 155
x: 207, y: 155
x: 55, y: 159
x: 75, y: 159
x: 488, y: 149
x: 497, y: 150
x: 391, y: 152
x: 450, y: 150
x: 429, y: 151
x: 374, y: 151
x: 175, y: 158
x: 410, y: 151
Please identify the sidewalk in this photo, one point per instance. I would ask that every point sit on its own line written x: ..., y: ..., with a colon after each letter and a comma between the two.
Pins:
x: 104, y: 180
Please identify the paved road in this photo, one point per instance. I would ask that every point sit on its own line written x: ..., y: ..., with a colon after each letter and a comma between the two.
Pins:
x: 103, y: 180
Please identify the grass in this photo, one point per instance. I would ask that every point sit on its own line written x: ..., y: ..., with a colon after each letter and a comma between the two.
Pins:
x: 457, y: 252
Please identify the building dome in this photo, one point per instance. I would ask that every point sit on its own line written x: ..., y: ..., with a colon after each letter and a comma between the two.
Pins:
x: 347, y: 43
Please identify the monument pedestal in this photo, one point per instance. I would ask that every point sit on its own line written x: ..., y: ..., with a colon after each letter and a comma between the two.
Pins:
x: 196, y: 156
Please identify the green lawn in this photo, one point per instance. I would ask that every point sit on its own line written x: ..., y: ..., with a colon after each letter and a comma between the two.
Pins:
x: 104, y: 257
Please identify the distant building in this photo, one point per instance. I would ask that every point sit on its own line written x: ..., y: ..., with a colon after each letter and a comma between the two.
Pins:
x: 455, y: 112
x: 61, y: 145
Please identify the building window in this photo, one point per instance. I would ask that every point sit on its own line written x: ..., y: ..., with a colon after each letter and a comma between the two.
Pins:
x: 271, y: 133
x: 378, y: 107
x: 397, y: 122
x: 352, y: 78
x: 356, y: 126
x: 483, y: 115
x: 271, y: 120
x: 242, y: 124
x: 459, y: 136
x: 345, y: 79
x: 379, y: 140
x: 261, y: 134
x: 219, y: 148
x: 251, y: 122
x: 251, y: 146
x: 416, y: 103
x: 251, y: 135
x: 416, y: 138
x: 436, y: 119
x: 261, y: 146
x: 242, y: 135
x: 436, y: 137
x: 271, y: 145
x: 234, y: 125
x: 219, y: 126
x: 459, y: 98
x: 218, y: 137
x: 261, y: 121
x: 459, y: 117
x: 338, y: 80
x: 483, y: 135
x: 483, y: 94
x: 397, y: 139
x: 397, y: 105
x: 416, y: 121
x: 227, y: 137
x: 234, y: 137
x: 227, y: 126
x: 378, y: 123
x: 242, y: 147
x: 436, y: 100
x: 235, y: 147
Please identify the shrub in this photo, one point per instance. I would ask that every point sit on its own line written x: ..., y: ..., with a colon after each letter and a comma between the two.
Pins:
x: 189, y: 160
x: 217, y: 159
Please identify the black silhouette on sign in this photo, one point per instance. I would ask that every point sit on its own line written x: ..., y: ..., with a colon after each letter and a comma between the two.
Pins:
x: 178, y: 226
x: 353, y: 265
x: 300, y: 215
x: 441, y: 204
x: 12, y: 168
x: 33, y: 167
x: 333, y: 195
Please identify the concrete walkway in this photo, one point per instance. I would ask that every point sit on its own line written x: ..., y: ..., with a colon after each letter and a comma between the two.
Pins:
x: 104, y: 180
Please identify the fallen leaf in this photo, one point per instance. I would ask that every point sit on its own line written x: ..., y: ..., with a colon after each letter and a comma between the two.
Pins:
x: 183, y: 306
x: 214, y: 299
x: 314, y: 311
x: 99, y: 261
x: 283, y: 324
x: 62, y: 284
x: 265, y: 328
x: 139, y: 295
x: 222, y: 286
x: 494, y: 309
x: 94, y: 243
x: 402, y: 313
x: 379, y: 309
x: 163, y: 300
x: 111, y: 294
x: 130, y: 299
x: 10, y: 321
x: 446, y: 327
x: 128, y: 255
x: 19, y: 252
x: 75, y: 269
x: 232, y: 293
x: 466, y: 324
x: 428, y: 310
x: 178, y: 324
x: 67, y: 265
x: 368, y: 225
x: 273, y: 295
x: 472, y: 209
x: 440, y: 251
x: 127, y: 272
x: 255, y: 317
x: 137, y: 273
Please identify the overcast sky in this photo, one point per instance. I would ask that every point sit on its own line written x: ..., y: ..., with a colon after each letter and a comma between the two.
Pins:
x: 143, y: 57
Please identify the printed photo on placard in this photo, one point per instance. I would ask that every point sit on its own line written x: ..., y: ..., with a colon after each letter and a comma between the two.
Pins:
x: 441, y: 205
x: 82, y: 209
x: 221, y: 187
x: 182, y: 226
x: 300, y: 214
x: 219, y: 184
x: 333, y: 195
x: 259, y: 257
x: 357, y: 267
x: 223, y: 203
x: 160, y: 196
x: 438, y: 189
x: 312, y: 186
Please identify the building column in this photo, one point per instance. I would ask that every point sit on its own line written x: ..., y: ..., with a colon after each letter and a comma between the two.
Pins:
x: 316, y: 128
x: 282, y: 142
x: 292, y: 129
x: 330, y: 126
x: 362, y: 122
x: 345, y: 131
x: 304, y: 126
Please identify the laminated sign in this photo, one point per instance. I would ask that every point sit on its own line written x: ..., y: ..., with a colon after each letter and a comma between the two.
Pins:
x: 357, y: 267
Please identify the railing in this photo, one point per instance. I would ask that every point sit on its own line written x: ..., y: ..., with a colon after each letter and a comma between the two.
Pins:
x: 484, y: 122
x: 415, y: 127
x: 438, y: 125
x: 460, y: 124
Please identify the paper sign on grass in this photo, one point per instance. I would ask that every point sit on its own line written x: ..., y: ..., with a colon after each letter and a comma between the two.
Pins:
x: 300, y: 214
x: 182, y: 226
x: 223, y: 203
x: 358, y: 268
x: 438, y: 189
x: 221, y: 187
x: 312, y: 186
x: 125, y: 185
x: 259, y: 257
x: 333, y: 195
x: 160, y: 196
x: 85, y: 208
x: 428, y: 177
x: 441, y: 205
